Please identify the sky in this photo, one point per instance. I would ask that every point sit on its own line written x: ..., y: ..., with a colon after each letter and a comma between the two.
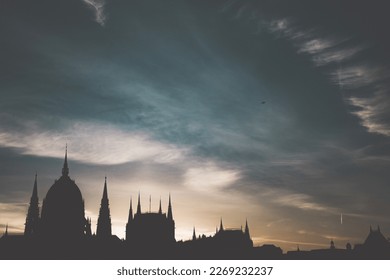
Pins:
x: 275, y: 112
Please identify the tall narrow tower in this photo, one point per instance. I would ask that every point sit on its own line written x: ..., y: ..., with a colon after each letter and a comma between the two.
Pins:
x: 129, y: 221
x: 171, y: 222
x: 32, y: 219
x: 170, y: 216
x: 104, y: 220
x: 246, y: 232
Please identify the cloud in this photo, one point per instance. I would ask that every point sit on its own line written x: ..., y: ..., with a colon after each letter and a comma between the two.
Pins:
x: 104, y: 144
x: 209, y: 176
x: 92, y: 143
x: 373, y: 112
x: 98, y: 7
x: 359, y: 75
x: 297, y: 200
x: 336, y: 55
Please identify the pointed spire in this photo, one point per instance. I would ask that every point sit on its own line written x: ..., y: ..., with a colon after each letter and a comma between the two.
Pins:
x: 221, y: 226
x: 6, y: 230
x: 104, y: 219
x: 105, y: 195
x: 32, y: 218
x: 160, y: 209
x: 194, y: 235
x: 130, y: 211
x: 65, y: 169
x: 170, y: 216
x: 139, y: 204
x: 246, y: 229
x: 35, y: 188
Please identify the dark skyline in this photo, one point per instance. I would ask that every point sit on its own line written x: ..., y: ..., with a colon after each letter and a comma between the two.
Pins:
x: 62, y: 231
x: 271, y: 111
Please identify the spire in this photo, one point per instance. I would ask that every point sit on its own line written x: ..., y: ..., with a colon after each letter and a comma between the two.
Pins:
x: 104, y: 220
x: 221, y: 226
x: 170, y: 216
x: 246, y: 232
x: 130, y: 211
x: 6, y: 230
x: 194, y: 235
x: 139, y: 204
x: 159, y: 209
x: 32, y: 219
x: 35, y: 188
x: 65, y: 169
x: 105, y: 196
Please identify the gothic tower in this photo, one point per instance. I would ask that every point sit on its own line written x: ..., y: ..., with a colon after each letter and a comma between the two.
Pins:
x: 246, y: 232
x: 129, y: 221
x: 171, y: 222
x: 151, y: 229
x: 32, y: 219
x: 104, y: 221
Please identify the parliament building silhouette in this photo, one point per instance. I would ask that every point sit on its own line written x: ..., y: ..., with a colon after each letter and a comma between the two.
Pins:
x: 61, y: 231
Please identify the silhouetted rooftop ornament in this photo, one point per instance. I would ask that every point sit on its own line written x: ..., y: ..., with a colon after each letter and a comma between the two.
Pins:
x: 65, y: 169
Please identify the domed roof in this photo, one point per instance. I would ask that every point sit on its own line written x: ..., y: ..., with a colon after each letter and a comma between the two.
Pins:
x: 64, y: 189
x: 63, y: 208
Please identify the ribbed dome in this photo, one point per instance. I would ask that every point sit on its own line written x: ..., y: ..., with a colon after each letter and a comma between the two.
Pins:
x: 63, y: 208
x: 64, y: 189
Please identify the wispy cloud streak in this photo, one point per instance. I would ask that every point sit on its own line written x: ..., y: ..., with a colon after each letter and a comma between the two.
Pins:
x: 98, y: 8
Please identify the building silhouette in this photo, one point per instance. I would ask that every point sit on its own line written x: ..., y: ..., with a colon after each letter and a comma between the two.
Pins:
x: 150, y: 230
x: 61, y: 231
x: 63, y: 209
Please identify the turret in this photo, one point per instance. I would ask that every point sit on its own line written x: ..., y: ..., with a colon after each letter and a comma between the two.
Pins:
x: 6, y: 231
x: 139, y: 205
x: 246, y: 232
x: 221, y: 226
x: 32, y: 219
x: 104, y: 220
x: 170, y: 216
x: 160, y: 209
x: 130, y: 211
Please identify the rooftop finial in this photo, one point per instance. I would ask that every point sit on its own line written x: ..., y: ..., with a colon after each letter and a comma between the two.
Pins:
x: 221, y: 226
x: 160, y: 209
x: 139, y: 204
x: 65, y: 169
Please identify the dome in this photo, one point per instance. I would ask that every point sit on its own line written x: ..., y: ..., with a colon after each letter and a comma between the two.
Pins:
x: 63, y: 208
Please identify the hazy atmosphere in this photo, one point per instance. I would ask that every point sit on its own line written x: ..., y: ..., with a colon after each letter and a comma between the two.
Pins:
x: 276, y: 112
